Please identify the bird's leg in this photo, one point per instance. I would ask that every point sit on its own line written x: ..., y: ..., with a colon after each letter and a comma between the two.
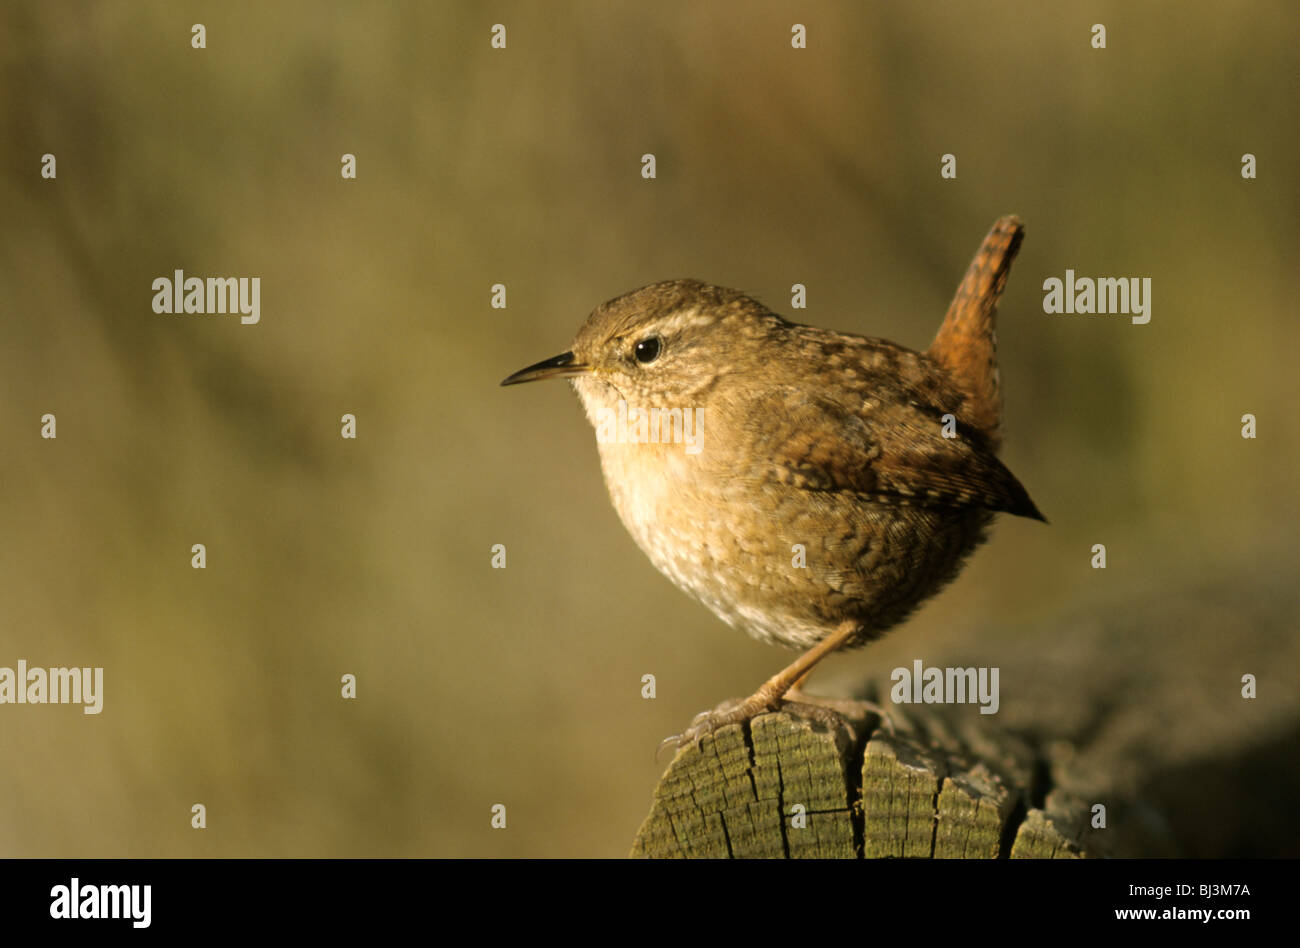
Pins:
x: 853, y: 708
x: 797, y: 687
x: 770, y: 695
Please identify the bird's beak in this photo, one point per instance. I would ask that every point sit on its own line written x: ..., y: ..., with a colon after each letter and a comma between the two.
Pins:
x: 556, y: 367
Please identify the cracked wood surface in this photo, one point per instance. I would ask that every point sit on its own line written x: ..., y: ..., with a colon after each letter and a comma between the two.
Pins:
x: 794, y: 787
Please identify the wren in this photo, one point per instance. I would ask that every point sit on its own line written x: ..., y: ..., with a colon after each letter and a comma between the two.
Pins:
x: 811, y: 487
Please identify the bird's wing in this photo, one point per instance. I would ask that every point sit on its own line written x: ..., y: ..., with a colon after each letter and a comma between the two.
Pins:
x: 889, y: 452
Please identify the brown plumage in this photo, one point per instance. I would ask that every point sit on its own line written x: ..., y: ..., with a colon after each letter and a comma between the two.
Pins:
x: 836, y: 480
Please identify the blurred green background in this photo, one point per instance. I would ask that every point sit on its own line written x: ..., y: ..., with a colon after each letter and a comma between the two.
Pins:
x: 522, y: 166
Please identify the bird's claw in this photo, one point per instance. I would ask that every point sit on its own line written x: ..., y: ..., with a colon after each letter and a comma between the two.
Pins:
x: 733, y: 711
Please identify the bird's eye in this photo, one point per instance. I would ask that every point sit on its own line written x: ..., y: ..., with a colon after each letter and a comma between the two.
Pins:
x: 647, y: 350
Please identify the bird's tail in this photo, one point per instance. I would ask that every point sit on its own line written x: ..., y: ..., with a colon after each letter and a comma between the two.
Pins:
x: 966, y: 345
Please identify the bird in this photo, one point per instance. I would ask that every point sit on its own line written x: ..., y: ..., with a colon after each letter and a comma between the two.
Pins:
x: 811, y: 487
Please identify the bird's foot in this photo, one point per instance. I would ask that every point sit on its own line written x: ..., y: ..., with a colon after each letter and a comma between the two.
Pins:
x: 741, y: 711
x: 851, y: 709
x: 731, y: 711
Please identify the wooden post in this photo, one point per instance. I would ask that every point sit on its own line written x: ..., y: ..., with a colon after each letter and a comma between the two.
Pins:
x: 794, y: 787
